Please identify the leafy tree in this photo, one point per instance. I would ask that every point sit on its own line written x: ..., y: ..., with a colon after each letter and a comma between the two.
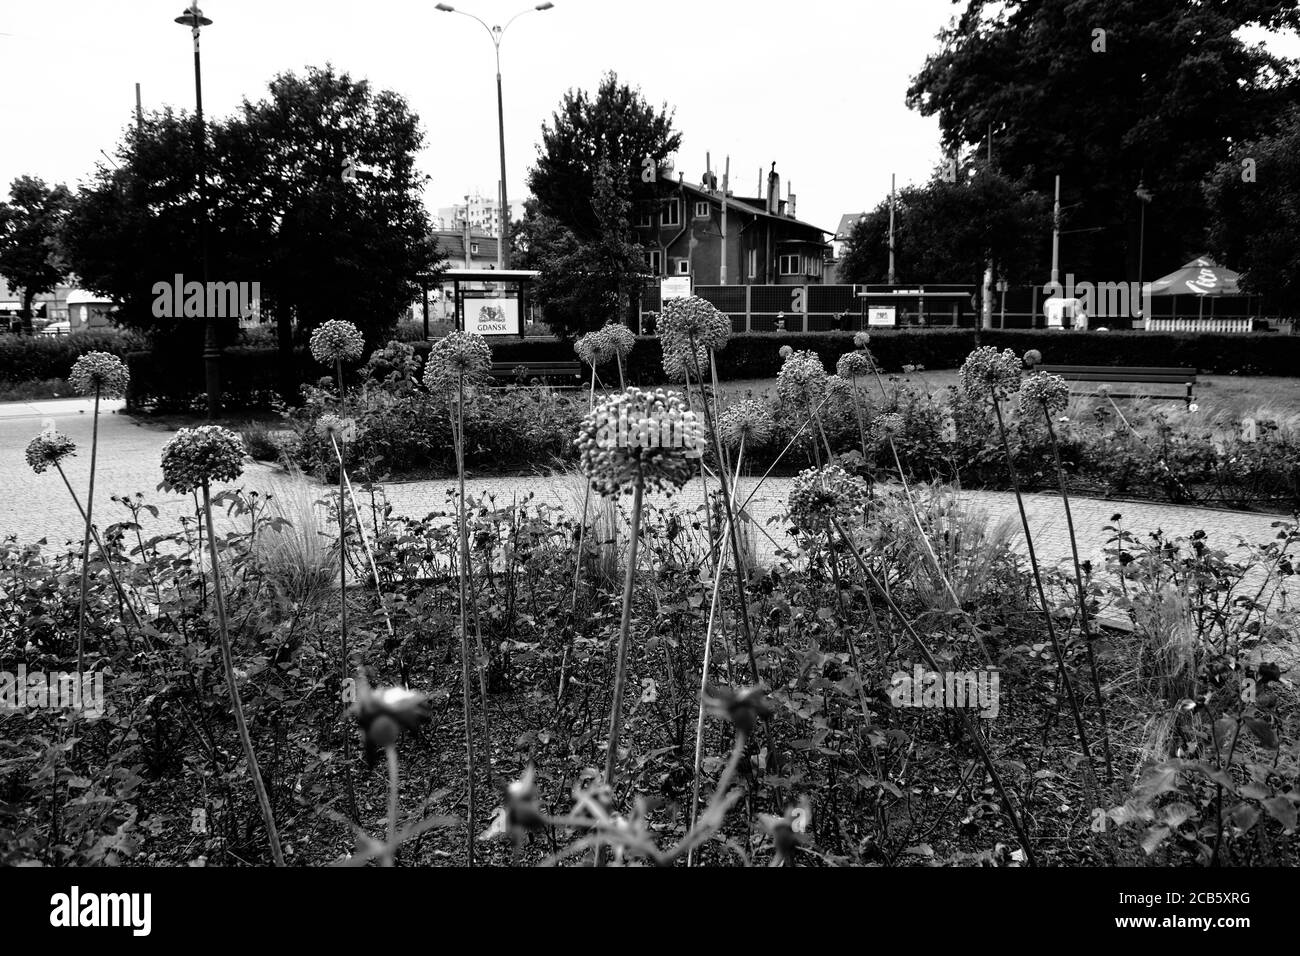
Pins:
x: 30, y: 223
x: 279, y: 210
x: 616, y: 127
x: 1255, y: 213
x: 945, y: 232
x: 584, y: 283
x: 1156, y: 98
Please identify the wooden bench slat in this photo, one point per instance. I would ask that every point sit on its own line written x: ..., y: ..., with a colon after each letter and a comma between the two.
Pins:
x: 1118, y: 370
x: 1149, y: 379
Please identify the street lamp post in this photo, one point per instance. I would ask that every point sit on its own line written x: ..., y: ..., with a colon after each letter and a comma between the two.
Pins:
x: 496, y: 33
x: 194, y: 19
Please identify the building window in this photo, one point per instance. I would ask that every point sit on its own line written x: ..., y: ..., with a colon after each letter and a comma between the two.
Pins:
x: 671, y: 214
x: 654, y: 259
x: 790, y: 265
x: 753, y: 263
x: 682, y: 267
x: 473, y: 248
x: 701, y: 210
x: 645, y: 219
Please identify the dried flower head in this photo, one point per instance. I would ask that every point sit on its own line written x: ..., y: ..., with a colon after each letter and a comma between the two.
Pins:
x: 195, y: 456
x: 853, y: 364
x: 692, y: 319
x: 801, y: 382
x: 621, y: 338
x: 595, y: 348
x: 384, y: 712
x: 743, y: 706
x: 888, y: 424
x: 337, y: 341
x: 334, y: 426
x: 986, y: 368
x: 787, y: 831
x: 634, y: 434
x: 861, y: 340
x: 101, y: 372
x: 49, y: 448
x: 1043, y: 390
x: 785, y: 351
x: 1033, y: 357
x: 820, y: 495
x: 454, y: 355
x: 678, y: 365
x: 750, y: 421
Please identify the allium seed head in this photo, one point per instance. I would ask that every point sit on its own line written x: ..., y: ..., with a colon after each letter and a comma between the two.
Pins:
x: 49, y: 448
x: 801, y: 383
x: 1033, y: 357
x: 194, y: 456
x: 99, y: 371
x: 819, y: 495
x: 853, y: 364
x: 337, y: 341
x: 636, y: 433
x: 986, y: 368
x: 1043, y: 390
x: 750, y: 420
x: 455, y: 354
x: 595, y: 348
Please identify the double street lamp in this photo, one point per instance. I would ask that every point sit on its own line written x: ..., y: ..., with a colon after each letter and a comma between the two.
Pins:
x: 496, y: 33
x: 194, y: 19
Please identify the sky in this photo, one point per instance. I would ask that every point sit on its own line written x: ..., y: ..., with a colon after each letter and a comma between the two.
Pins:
x: 816, y: 86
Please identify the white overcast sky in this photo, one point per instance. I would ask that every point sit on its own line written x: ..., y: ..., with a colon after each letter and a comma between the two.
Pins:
x: 816, y: 85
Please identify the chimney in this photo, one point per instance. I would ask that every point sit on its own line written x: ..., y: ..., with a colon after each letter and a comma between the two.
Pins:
x: 773, y: 191
x: 790, y: 201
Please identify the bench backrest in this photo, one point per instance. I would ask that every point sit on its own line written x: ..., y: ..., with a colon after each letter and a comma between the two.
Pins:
x: 1121, y: 373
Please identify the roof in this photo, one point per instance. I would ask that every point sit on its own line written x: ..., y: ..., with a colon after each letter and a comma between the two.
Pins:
x: 745, y: 205
x: 452, y: 244
x: 82, y: 297
x: 847, y: 222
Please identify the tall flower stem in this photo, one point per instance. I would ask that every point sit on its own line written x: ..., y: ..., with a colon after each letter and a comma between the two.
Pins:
x: 625, y: 624
x: 739, y: 565
x: 1057, y: 650
x: 85, y: 540
x: 394, y: 781
x: 1083, y: 601
x: 463, y: 534
x: 967, y: 722
x: 236, y: 702
x: 124, y: 601
x: 577, y: 562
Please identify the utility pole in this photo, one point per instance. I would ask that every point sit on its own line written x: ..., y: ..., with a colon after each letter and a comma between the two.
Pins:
x: 139, y: 112
x: 891, y: 228
x: 503, y: 216
x: 1056, y: 235
x: 726, y: 176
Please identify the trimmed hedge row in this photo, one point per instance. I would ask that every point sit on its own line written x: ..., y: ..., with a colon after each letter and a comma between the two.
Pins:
x: 34, y: 358
x: 250, y: 375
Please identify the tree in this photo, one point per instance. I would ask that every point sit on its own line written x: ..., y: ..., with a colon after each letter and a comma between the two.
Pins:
x: 946, y: 232
x: 30, y: 223
x: 584, y: 283
x: 279, y: 210
x: 1110, y: 94
x: 1254, y: 200
x: 618, y: 128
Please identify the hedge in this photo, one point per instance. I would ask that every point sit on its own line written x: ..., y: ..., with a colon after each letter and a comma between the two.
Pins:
x: 250, y: 375
x: 34, y: 358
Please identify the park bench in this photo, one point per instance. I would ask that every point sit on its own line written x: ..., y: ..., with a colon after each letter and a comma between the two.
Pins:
x: 1143, y: 375
x: 561, y: 373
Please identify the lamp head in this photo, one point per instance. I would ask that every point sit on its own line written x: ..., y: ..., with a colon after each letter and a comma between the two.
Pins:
x: 544, y: 6
x: 445, y: 8
x: 193, y: 17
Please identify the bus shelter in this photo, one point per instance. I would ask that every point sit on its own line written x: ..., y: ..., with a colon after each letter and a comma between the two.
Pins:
x: 488, y: 302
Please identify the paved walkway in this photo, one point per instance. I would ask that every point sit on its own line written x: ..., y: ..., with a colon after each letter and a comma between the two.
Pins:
x: 38, y: 506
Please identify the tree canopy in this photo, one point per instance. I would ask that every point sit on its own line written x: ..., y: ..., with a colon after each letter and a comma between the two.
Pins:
x: 280, y: 212
x: 1111, y: 94
x: 945, y: 231
x: 30, y: 225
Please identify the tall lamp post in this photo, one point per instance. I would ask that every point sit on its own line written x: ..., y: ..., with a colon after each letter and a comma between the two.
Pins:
x: 496, y: 33
x: 194, y: 19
